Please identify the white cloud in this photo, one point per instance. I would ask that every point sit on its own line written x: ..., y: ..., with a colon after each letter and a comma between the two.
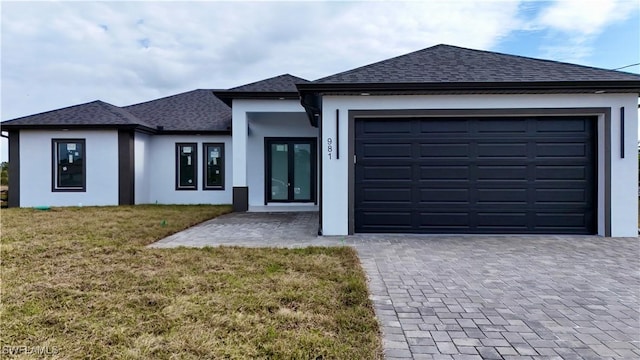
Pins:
x: 61, y: 53
x: 571, y: 50
x: 56, y: 54
x: 587, y: 17
x: 573, y: 26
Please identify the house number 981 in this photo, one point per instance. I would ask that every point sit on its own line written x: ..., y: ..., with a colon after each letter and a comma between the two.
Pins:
x: 330, y: 148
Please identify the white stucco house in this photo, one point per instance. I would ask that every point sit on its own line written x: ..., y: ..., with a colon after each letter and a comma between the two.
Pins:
x: 441, y: 140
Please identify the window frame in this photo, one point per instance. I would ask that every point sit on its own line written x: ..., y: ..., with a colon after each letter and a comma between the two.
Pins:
x: 205, y: 164
x: 55, y: 164
x: 194, y: 161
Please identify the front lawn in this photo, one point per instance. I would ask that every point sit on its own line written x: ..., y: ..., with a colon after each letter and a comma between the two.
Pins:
x: 79, y: 283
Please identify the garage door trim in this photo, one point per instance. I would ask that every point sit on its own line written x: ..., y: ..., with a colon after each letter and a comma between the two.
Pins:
x: 400, y: 113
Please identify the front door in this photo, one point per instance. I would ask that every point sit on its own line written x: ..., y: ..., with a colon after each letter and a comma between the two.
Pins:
x: 290, y: 169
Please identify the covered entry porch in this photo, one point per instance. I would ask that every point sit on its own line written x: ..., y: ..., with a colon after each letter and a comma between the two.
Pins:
x: 275, y: 157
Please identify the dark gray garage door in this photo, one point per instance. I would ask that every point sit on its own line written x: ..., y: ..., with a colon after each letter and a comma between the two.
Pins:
x: 476, y: 175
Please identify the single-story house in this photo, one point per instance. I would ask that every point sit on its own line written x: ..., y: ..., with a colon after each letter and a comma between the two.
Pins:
x: 441, y: 140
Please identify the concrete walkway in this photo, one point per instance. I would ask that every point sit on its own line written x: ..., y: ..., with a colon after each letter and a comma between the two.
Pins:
x: 474, y: 297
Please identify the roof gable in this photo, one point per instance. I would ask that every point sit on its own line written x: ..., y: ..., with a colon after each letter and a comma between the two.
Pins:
x: 197, y: 110
x: 278, y: 87
x: 95, y: 113
x: 452, y: 64
x: 280, y: 83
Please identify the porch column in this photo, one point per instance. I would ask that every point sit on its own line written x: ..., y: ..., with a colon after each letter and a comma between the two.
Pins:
x: 240, y: 133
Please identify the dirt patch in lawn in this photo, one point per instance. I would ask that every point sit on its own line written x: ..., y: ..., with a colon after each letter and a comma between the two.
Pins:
x: 79, y: 282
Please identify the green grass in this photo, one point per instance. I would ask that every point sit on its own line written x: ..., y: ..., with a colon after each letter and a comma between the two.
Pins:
x: 81, y: 281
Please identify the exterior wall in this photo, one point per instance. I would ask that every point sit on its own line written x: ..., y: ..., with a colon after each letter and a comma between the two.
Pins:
x: 624, y: 172
x: 623, y: 200
x: 162, y: 171
x: 36, y: 161
x: 142, y: 153
x: 253, y: 120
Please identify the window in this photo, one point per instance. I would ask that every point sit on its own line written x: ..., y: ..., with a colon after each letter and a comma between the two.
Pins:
x: 186, y: 166
x: 69, y: 165
x: 213, y: 171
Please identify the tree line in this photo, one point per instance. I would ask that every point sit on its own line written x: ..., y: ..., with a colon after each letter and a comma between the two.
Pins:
x: 4, y: 174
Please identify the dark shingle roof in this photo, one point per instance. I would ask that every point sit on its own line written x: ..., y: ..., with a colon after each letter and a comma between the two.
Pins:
x: 280, y: 83
x: 278, y: 87
x: 95, y: 113
x: 451, y: 64
x: 197, y: 110
x: 438, y: 68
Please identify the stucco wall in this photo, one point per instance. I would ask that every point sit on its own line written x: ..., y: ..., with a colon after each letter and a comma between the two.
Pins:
x: 624, y: 202
x: 162, y: 171
x: 101, y: 156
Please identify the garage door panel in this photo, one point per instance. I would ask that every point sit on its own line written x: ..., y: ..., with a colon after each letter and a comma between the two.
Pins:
x: 386, y: 195
x: 501, y: 196
x: 561, y: 196
x: 385, y: 220
x: 560, y: 220
x: 502, y: 173
x: 476, y: 175
x: 561, y: 125
x: 386, y: 127
x: 445, y: 126
x: 502, y: 150
x: 382, y: 173
x: 561, y: 150
x: 444, y: 220
x: 560, y: 172
x: 386, y: 151
x: 493, y: 126
x: 444, y: 196
x: 512, y: 219
x: 444, y: 150
x: 443, y: 172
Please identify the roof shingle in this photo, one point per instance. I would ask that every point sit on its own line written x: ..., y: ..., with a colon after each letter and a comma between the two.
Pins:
x: 437, y: 66
x: 197, y: 110
x: 95, y: 113
x: 280, y: 83
x: 451, y: 64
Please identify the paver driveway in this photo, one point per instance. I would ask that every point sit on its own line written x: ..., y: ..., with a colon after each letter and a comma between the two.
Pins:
x: 476, y: 297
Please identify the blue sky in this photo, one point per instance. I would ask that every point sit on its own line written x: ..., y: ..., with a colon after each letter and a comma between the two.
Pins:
x: 57, y: 54
x: 609, y: 44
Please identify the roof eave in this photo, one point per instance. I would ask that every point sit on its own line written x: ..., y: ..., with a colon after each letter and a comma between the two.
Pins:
x: 194, y: 132
x: 228, y: 96
x: 560, y: 86
x: 139, y: 128
x: 9, y: 127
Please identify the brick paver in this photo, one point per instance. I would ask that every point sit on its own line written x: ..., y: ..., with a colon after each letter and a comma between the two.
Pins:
x: 255, y: 229
x: 473, y: 297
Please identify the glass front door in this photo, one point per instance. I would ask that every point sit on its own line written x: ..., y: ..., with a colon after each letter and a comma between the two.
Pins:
x: 291, y: 170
